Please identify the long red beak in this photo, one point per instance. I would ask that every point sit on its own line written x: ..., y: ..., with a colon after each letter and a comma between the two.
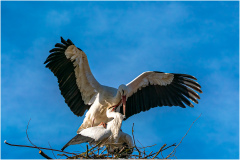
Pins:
x: 124, y: 104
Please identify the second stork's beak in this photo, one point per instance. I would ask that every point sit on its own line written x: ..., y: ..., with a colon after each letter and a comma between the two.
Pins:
x: 124, y: 104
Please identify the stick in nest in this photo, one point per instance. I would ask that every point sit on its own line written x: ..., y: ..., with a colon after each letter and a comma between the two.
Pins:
x: 44, y: 155
x: 171, y: 154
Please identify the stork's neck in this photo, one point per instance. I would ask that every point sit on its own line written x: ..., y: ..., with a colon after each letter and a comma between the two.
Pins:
x: 118, y: 97
x: 115, y: 124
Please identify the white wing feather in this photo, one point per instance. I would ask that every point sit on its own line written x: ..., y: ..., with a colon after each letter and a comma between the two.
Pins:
x: 86, y: 82
x: 146, y: 78
x: 98, y: 133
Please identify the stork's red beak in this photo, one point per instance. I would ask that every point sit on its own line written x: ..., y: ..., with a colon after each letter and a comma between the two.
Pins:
x: 124, y: 104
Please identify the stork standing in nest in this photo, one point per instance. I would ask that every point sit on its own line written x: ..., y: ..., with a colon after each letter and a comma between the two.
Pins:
x: 83, y: 92
x: 111, y: 134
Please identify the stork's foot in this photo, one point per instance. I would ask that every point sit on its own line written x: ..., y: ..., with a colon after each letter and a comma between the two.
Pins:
x: 103, y: 124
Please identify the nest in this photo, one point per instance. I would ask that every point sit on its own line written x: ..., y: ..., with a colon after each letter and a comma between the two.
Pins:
x: 98, y: 152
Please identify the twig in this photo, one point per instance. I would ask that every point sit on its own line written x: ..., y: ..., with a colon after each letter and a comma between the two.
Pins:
x: 92, y: 152
x: 87, y: 152
x: 175, y: 156
x: 82, y: 147
x: 44, y: 155
x: 63, y: 155
x: 52, y: 150
x: 82, y: 154
x: 107, y: 150
x: 148, y: 155
x: 137, y: 155
x: 160, y: 150
x: 183, y: 136
x: 162, y: 155
x: 148, y: 146
x: 37, y: 147
x: 103, y: 150
x: 122, y: 149
x: 28, y: 137
x: 143, y: 148
x: 140, y: 143
x: 169, y: 146
x: 134, y: 141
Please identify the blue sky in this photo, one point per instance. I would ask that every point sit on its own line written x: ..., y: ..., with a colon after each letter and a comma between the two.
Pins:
x: 122, y: 40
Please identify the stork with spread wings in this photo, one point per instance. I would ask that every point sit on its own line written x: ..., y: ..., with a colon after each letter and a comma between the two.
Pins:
x: 83, y: 92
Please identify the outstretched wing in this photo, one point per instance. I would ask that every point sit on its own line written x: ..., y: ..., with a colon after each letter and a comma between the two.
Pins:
x: 152, y: 89
x: 76, y: 82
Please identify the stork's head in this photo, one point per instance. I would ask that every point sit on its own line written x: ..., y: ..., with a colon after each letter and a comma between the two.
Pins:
x: 123, y: 91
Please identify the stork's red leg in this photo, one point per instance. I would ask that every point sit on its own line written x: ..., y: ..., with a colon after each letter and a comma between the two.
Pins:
x: 93, y: 122
x: 124, y: 104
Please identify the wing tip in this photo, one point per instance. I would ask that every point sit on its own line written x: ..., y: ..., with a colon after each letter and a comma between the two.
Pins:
x: 191, y: 105
x: 185, y: 75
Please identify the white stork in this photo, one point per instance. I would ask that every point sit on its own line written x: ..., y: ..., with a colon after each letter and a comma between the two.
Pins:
x: 83, y: 92
x: 110, y: 134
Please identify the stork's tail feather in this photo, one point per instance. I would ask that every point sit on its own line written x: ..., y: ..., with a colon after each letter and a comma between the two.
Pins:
x: 65, y: 146
x: 78, y: 139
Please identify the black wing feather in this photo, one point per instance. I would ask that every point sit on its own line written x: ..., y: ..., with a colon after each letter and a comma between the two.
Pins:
x: 60, y: 45
x: 70, y: 42
x: 65, y: 42
x: 63, y: 69
x: 180, y: 91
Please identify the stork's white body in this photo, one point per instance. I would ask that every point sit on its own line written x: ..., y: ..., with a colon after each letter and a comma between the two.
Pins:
x: 111, y: 135
x: 97, y: 113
